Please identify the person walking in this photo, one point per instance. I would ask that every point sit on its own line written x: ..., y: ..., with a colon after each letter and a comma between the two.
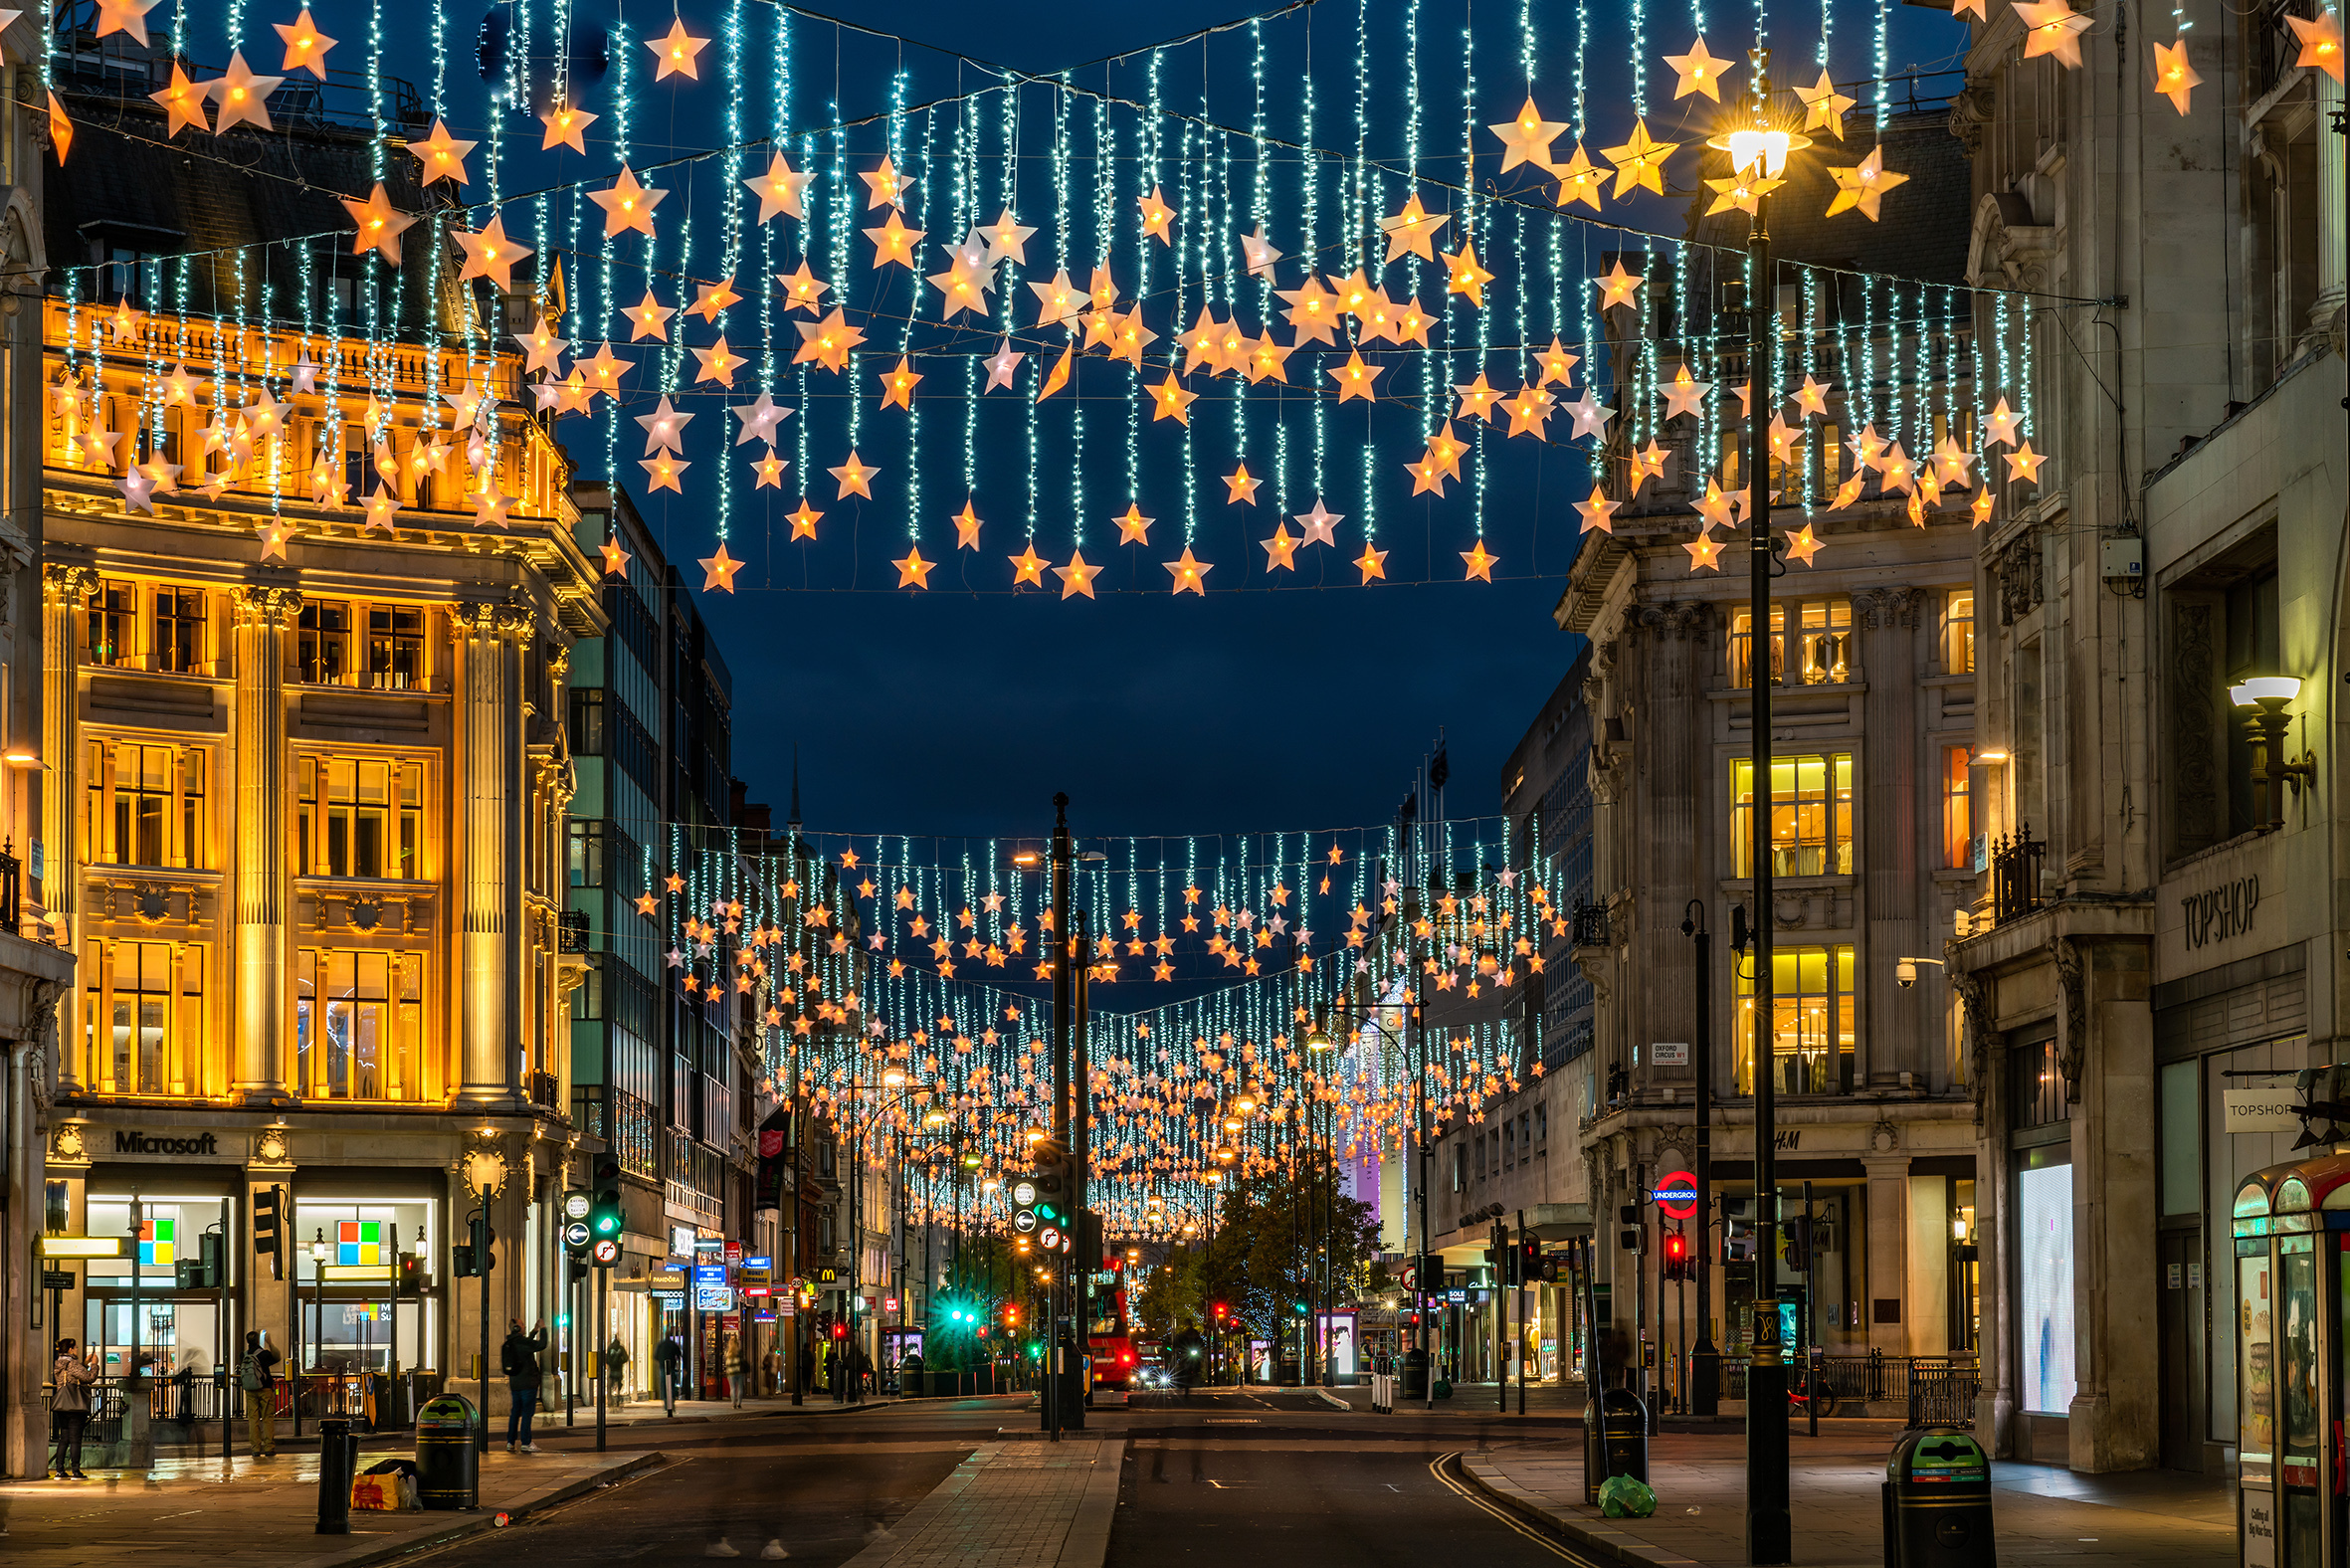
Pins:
x: 668, y: 1356
x: 259, y: 1384
x: 615, y: 1360
x: 68, y: 1407
x: 738, y: 1369
x: 519, y: 1359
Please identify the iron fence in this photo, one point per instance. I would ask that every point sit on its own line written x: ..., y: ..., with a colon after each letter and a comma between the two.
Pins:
x: 1937, y: 1389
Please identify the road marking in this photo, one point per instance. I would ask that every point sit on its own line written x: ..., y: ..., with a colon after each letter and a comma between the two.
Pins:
x: 1219, y: 1485
x: 1232, y: 1421
x: 1392, y: 1487
x: 1477, y: 1500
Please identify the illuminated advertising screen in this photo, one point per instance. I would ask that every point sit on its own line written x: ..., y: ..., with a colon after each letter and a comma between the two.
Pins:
x: 2043, y: 1262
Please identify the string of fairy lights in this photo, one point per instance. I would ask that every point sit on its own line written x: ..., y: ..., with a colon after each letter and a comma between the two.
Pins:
x: 1175, y: 291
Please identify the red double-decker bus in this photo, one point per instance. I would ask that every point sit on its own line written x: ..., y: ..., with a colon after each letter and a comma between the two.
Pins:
x: 1109, y: 1330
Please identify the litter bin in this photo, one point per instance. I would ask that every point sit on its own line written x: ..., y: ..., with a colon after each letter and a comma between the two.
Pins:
x: 910, y: 1376
x: 1615, y: 1439
x: 448, y: 1467
x: 1415, y: 1377
x: 1285, y: 1367
x: 1938, y: 1502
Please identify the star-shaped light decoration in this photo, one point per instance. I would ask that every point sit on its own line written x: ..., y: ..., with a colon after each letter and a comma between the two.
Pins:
x: 1953, y: 465
x: 1558, y: 365
x: 1591, y: 417
x: 543, y: 356
x: 1802, y: 545
x: 1527, y: 138
x: 1824, y: 106
x: 898, y: 383
x: 382, y: 506
x: 1685, y: 395
x: 1848, y: 492
x: 855, y: 479
x: 1258, y: 253
x: 60, y: 128
x: 885, y: 186
x: 1077, y: 577
x: 566, y: 127
x: 1371, y: 563
x: 1311, y: 311
x: 442, y: 156
x: 1320, y: 523
x: 1812, y: 398
x: 628, y: 205
x: 803, y: 288
x: 304, y: 374
x: 1999, y: 426
x: 616, y: 559
x: 1981, y: 507
x: 1741, y: 191
x: 2320, y: 38
x: 966, y: 525
x: 1412, y: 230
x: 912, y: 570
x: 769, y: 471
x: 1465, y: 276
x: 1580, y: 181
x: 379, y: 224
x: 713, y: 299
x: 759, y: 419
x: 663, y: 473
x: 648, y: 318
x: 1713, y: 507
x: 1240, y: 486
x: 1427, y: 475
x: 779, y: 189
x: 124, y: 16
x: 1529, y: 411
x: 1057, y: 376
x: 1006, y: 240
x: 1863, y: 185
x: 1280, y: 551
x: 1647, y: 463
x: 894, y: 241
x: 2173, y: 78
x: 1702, y: 552
x: 180, y: 387
x: 1156, y: 215
x: 664, y: 428
x: 1001, y: 366
x: 720, y: 570
x: 1189, y: 573
x: 2023, y: 463
x: 1698, y: 72
x: 1355, y: 380
x: 1640, y: 163
x: 489, y: 254
x: 676, y: 54
x: 1617, y: 289
x: 719, y: 362
x: 804, y: 521
x: 1172, y: 401
x: 1477, y: 399
x: 1480, y: 565
x: 1028, y: 567
x: 244, y: 98
x: 184, y: 102
x: 138, y: 491
x: 2052, y: 27
x: 1596, y: 510
x: 273, y: 537
x: 1896, y: 470
x: 1133, y: 527
x: 1058, y: 300
x: 826, y: 342
x: 1446, y: 450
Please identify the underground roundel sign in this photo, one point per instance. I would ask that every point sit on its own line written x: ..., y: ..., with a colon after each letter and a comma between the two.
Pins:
x: 1675, y: 1194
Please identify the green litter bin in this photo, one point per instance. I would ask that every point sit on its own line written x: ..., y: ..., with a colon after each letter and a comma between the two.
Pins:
x: 448, y: 1467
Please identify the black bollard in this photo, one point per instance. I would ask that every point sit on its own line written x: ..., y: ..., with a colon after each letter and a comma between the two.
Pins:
x: 338, y: 1457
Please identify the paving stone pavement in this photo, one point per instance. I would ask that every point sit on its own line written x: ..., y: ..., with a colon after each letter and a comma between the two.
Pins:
x: 1020, y: 1503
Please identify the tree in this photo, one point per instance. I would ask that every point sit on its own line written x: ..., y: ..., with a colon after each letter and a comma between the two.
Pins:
x: 1266, y: 1255
x: 1172, y: 1295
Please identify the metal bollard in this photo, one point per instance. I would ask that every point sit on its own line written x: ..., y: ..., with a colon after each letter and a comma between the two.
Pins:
x: 338, y: 1460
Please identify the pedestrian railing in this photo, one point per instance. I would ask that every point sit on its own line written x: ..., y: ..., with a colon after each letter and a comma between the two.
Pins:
x: 1931, y: 1383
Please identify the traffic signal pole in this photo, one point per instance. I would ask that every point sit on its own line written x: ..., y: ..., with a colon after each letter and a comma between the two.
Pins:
x: 603, y: 1372
x: 1060, y: 1039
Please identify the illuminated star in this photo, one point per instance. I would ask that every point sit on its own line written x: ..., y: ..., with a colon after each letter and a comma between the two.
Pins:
x: 1058, y: 300
x: 604, y: 370
x: 1702, y: 550
x: 1803, y: 545
x: 1863, y: 185
x: 721, y: 568
x: 1189, y: 573
x: 884, y: 187
x: 779, y: 189
x: 1427, y: 476
x: 382, y: 506
x: 1028, y: 567
x: 489, y: 254
x: 628, y: 204
x: 912, y: 570
x: 1311, y: 309
x: 1953, y: 465
x: 1133, y: 527
x: 1640, y: 163
x: 180, y: 387
x: 1173, y: 400
x: 1412, y: 230
x: 1077, y: 577
x: 1156, y: 215
x: 2320, y: 38
x: 664, y: 428
x: 804, y: 521
x: 1001, y: 366
x: 1480, y: 565
x: 966, y: 525
x: 1527, y: 138
x: 1591, y: 417
x: 1258, y: 254
x: 124, y: 16
x: 648, y: 318
x: 139, y: 493
x: 1477, y: 399
x: 1812, y: 398
x: 1281, y: 551
x: 1578, y: 181
x: 1529, y: 411
x: 804, y: 289
x: 1982, y: 506
x: 244, y: 98
x: 379, y: 225
x: 1617, y: 287
x: 1240, y: 486
x: 1557, y: 364
x: 1007, y: 239
x: 545, y: 354
x: 183, y: 103
x: 898, y: 385
x: 1446, y: 450
x: 1596, y: 510
x: 676, y: 52
x: 2052, y: 27
x: 1824, y: 106
x: 566, y: 127
x: 1647, y: 463
x: 1466, y: 277
x: 854, y: 477
x: 1318, y: 524
x: 1740, y: 192
x: 2173, y: 78
x: 2023, y: 463
x: 1698, y: 71
x: 616, y: 559
x: 894, y: 241
x: 442, y: 156
x: 1373, y: 563
x: 1685, y: 395
x: 1057, y: 376
x: 769, y: 469
x: 661, y: 473
x: 712, y: 299
x: 1848, y: 492
x: 2000, y: 425
x: 719, y: 362
x: 273, y: 535
x: 759, y: 419
x: 1896, y: 470
x: 1355, y: 380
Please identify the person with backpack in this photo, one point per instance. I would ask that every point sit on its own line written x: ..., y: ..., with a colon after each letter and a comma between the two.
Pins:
x: 519, y: 1359
x: 258, y: 1383
x: 69, y: 1406
x: 667, y: 1357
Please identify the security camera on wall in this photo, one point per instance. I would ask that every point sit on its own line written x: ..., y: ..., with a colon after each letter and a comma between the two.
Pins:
x: 1906, y: 974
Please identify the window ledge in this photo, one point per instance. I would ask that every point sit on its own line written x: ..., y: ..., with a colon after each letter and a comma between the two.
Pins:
x: 1743, y: 694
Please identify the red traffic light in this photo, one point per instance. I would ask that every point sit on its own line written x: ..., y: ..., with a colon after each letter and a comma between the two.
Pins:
x: 839, y: 1330
x: 1676, y: 1246
x: 1220, y: 1309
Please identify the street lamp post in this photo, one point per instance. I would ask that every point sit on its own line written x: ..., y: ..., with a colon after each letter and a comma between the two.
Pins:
x: 1706, y: 1361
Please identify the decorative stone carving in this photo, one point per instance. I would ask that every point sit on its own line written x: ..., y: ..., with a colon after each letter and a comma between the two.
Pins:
x: 268, y: 604
x: 2072, y: 977
x: 2016, y: 572
x: 1975, y: 1030
x: 67, y: 584
x: 1885, y: 1137
x: 1971, y: 112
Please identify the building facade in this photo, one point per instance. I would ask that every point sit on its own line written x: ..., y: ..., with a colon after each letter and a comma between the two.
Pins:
x: 2160, y: 923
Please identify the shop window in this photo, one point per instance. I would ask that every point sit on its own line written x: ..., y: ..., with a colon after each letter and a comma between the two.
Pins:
x: 359, y: 1025
x: 359, y: 817
x: 144, y: 806
x: 1958, y: 633
x: 1822, y: 642
x: 2254, y: 648
x: 142, y: 1013
x: 2044, y: 1271
x: 1811, y: 1021
x: 1958, y: 808
x: 1811, y: 816
x: 2040, y: 1098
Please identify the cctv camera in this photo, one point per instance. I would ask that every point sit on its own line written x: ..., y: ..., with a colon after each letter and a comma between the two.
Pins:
x: 1906, y: 974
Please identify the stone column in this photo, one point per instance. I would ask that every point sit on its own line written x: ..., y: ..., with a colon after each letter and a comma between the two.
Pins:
x: 261, y: 872
x: 64, y: 590
x: 1892, y: 1033
x: 492, y: 801
x: 1889, y: 1252
x: 1674, y: 791
x: 2332, y: 217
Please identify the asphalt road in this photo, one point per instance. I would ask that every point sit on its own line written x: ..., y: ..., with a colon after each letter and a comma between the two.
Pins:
x: 1220, y: 1474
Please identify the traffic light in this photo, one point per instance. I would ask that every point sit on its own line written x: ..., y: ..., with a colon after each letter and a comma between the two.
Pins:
x: 1040, y: 1198
x: 1529, y: 1262
x: 604, y: 1217
x: 411, y: 1281
x: 1737, y: 1230
x: 1677, y: 1262
x: 1634, y: 1237
x: 1797, y: 1239
x: 577, y: 1237
x: 269, y: 1210
x: 1092, y: 1244
x: 1220, y: 1309
x: 1299, y: 1308
x: 473, y: 1258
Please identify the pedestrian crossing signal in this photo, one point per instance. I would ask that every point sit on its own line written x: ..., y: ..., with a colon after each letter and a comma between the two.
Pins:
x: 1678, y: 1265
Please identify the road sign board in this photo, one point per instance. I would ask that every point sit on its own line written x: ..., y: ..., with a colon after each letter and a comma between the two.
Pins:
x: 575, y: 1234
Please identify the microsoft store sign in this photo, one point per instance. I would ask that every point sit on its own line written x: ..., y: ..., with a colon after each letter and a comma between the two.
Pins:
x: 2261, y: 1109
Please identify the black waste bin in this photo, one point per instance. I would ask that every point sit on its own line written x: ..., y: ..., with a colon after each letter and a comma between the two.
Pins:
x: 1615, y: 1439
x: 1415, y: 1373
x: 910, y: 1376
x: 1285, y: 1370
x: 448, y: 1467
x: 1938, y: 1502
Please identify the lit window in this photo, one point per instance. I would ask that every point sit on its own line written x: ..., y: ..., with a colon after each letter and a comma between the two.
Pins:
x: 1822, y: 647
x: 1958, y: 633
x: 395, y: 647
x: 182, y: 641
x: 359, y: 1025
x: 144, y: 806
x: 114, y: 626
x: 1958, y: 808
x: 359, y: 817
x: 1811, y: 816
x: 1810, y: 1020
x: 143, y: 1017
x: 323, y: 643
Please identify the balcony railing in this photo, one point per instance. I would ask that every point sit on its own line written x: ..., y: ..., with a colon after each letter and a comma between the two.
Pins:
x: 571, y: 928
x: 2015, y: 876
x: 546, y: 1090
x: 623, y: 1121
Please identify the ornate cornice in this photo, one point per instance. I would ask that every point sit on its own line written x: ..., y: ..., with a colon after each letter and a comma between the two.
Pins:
x: 62, y: 584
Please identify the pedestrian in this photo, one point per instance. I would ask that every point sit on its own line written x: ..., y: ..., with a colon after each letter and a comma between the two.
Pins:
x: 861, y: 1370
x: 69, y: 1406
x: 668, y: 1356
x: 770, y: 1373
x: 738, y: 1369
x: 257, y: 1380
x: 615, y: 1360
x: 519, y: 1360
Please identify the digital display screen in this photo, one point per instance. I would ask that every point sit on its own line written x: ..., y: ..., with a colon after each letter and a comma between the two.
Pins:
x: 2044, y: 1260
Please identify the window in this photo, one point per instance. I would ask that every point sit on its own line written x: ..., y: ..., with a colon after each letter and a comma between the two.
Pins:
x: 1822, y: 647
x: 1958, y: 633
x: 1525, y: 1134
x: 1810, y: 1020
x: 587, y: 1001
x: 144, y: 806
x: 143, y: 1017
x: 587, y: 722
x: 323, y: 643
x: 359, y: 817
x: 1460, y: 1167
x: 1832, y: 460
x: 114, y: 625
x: 1541, y: 1125
x: 395, y: 647
x: 359, y: 1025
x: 587, y: 853
x: 1811, y: 816
x: 2254, y: 648
x: 2039, y: 1097
x: 123, y: 274
x: 1958, y: 808
x: 1508, y: 1145
x: 180, y: 640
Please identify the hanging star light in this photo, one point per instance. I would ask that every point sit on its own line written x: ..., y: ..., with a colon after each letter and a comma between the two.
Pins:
x: 2024, y: 464
x: 2320, y: 38
x: 1864, y: 185
x: 616, y: 559
x: 1355, y: 380
x: 1058, y: 300
x: 1156, y: 215
x: 2173, y: 78
x: 1596, y: 510
x: 648, y: 318
x: 1479, y: 564
x: 1189, y: 573
x: 566, y: 127
x: 183, y: 103
x: 1465, y: 276
x: 676, y: 52
x: 1702, y: 552
x: 720, y: 570
x: 1028, y: 567
x: 2052, y: 27
x: 768, y: 471
x: 663, y: 473
x: 1001, y: 366
x: 1685, y: 395
x: 883, y: 186
x: 1824, y: 106
x: 894, y: 241
x: 1077, y: 577
x: 713, y: 299
x: 759, y: 419
x: 1372, y: 563
x: 1740, y: 192
x: 1981, y: 507
x: 1258, y: 253
x: 273, y: 537
x: 855, y: 479
x: 1057, y: 376
x: 1803, y: 545
x: 628, y: 205
x: 244, y: 98
x: 1240, y: 486
x: 1698, y: 72
x: 1173, y: 400
x: 1280, y: 551
x: 489, y: 254
x: 804, y: 521
x: 966, y: 525
x: 898, y: 385
x: 1616, y: 290
x: 1411, y: 229
x: 1640, y: 163
x: 912, y: 570
x: 1578, y: 181
x: 826, y: 342
x: 442, y: 156
x: 665, y: 429
x: 379, y: 225
x: 1477, y: 400
x: 779, y: 189
x: 1527, y: 138
x: 124, y: 16
x: 1529, y: 411
x: 719, y: 362
x: 1999, y: 426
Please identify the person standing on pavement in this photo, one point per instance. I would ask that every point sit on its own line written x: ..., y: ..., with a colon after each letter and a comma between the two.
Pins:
x: 259, y: 1384
x: 667, y: 1357
x: 69, y: 1406
x: 615, y: 1360
x: 519, y: 1360
x: 738, y: 1369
